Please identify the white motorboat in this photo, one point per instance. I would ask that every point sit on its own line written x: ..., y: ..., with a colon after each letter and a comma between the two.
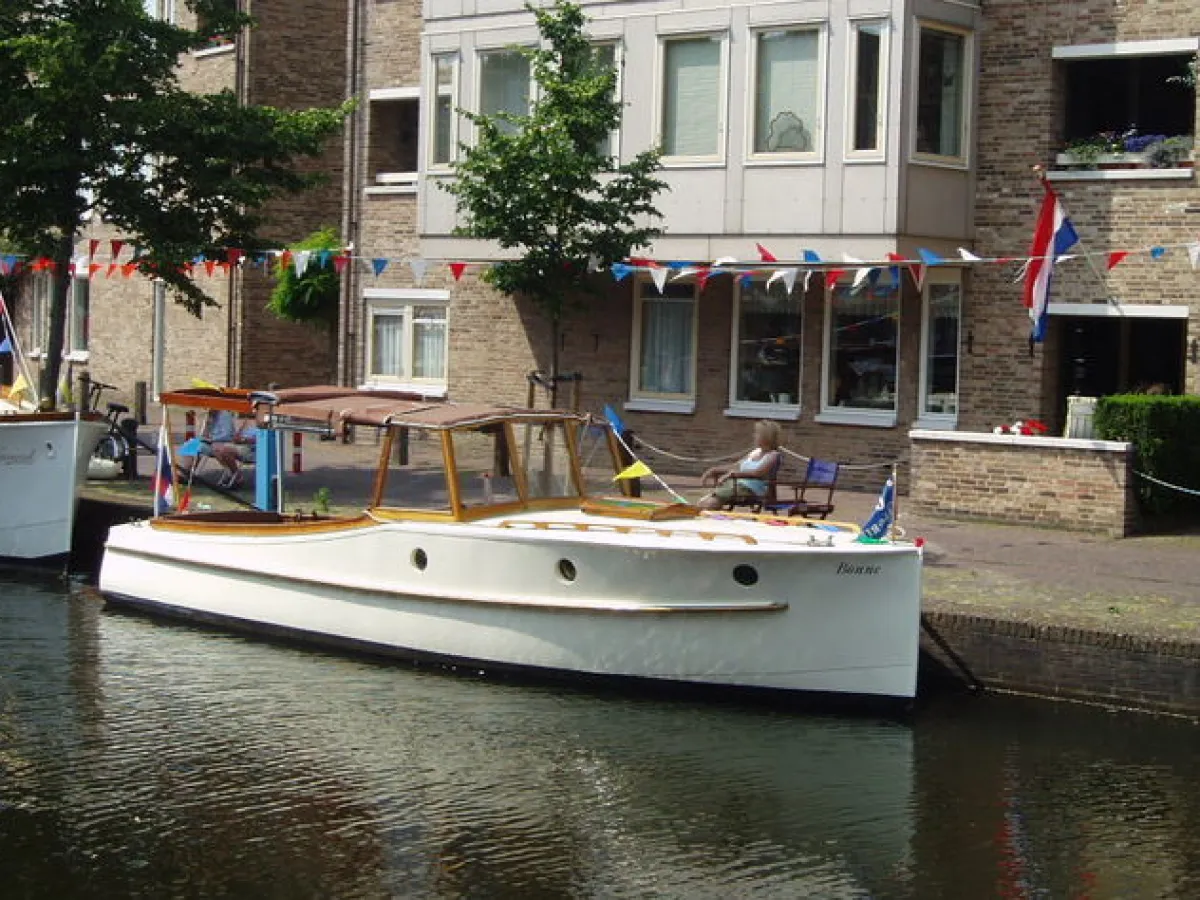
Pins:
x: 501, y: 557
x: 43, y: 461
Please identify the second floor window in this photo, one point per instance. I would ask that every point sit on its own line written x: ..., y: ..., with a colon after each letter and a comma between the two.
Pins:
x: 504, y: 84
x: 787, y: 91
x: 867, y: 103
x: 941, y: 93
x: 1132, y: 98
x: 445, y: 79
x: 691, y: 98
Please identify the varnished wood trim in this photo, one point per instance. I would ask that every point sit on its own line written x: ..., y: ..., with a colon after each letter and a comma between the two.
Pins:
x: 796, y: 521
x: 394, y: 514
x: 195, y: 524
x: 385, y: 463
x: 451, y: 466
x: 605, y: 528
x: 517, y: 460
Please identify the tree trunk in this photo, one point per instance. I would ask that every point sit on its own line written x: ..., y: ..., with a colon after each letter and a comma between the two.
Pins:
x: 56, y: 336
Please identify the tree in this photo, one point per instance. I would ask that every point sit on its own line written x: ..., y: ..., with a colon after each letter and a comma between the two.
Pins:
x: 95, y: 119
x: 545, y: 183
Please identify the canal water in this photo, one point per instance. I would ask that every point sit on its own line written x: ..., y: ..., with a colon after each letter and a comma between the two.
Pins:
x: 140, y: 759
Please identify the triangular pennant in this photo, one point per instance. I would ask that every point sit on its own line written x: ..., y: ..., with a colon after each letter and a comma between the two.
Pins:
x: 117, y: 247
x: 112, y: 267
x: 93, y: 246
x: 637, y: 470
x: 681, y: 274
x: 1194, y: 254
x: 233, y: 255
x: 378, y: 265
x: 620, y: 271
x: 6, y: 345
x: 1158, y: 252
x: 285, y: 259
x: 457, y: 269
x: 789, y: 279
x: 811, y: 256
x: 861, y: 276
x: 340, y: 262
x: 93, y: 269
x: 832, y: 276
x: 300, y: 260
x: 420, y: 267
x: 724, y: 261
x: 702, y: 278
x: 968, y: 255
x: 128, y: 269
x: 210, y: 266
x: 1115, y: 258
x: 764, y: 254
x: 929, y: 257
x: 323, y: 258
x: 5, y: 266
x: 659, y: 277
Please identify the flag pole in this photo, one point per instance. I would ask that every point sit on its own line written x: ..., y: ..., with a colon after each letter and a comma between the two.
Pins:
x: 19, y: 353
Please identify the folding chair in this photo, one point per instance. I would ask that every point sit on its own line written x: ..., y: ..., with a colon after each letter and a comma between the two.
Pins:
x: 752, y: 501
x: 821, y: 475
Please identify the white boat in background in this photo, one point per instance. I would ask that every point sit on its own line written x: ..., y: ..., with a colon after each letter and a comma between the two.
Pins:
x: 503, y: 558
x: 43, y: 461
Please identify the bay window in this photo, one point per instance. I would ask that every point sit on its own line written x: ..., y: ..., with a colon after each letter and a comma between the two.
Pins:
x: 504, y: 85
x: 692, y: 97
x: 407, y: 338
x: 868, y: 87
x: 941, y: 326
x: 941, y: 93
x: 861, y: 352
x: 787, y: 91
x: 664, y: 344
x: 765, y: 371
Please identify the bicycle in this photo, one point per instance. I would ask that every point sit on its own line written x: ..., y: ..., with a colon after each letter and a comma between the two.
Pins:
x: 120, y: 444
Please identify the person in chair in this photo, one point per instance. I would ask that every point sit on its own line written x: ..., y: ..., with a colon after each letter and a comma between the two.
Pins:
x: 749, y: 479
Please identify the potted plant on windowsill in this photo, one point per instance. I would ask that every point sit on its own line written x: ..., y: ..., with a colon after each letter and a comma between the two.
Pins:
x: 1127, y: 150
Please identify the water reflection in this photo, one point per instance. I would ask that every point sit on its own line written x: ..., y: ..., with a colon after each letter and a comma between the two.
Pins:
x: 138, y: 759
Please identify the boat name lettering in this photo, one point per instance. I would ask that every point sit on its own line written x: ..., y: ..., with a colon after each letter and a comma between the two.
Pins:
x: 856, y: 569
x: 17, y: 459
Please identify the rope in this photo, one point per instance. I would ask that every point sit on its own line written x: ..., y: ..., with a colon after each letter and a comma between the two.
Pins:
x: 849, y: 467
x: 620, y: 439
x: 692, y: 459
x: 1165, y: 484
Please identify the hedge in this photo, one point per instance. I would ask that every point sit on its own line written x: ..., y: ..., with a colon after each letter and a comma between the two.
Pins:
x: 1165, y: 433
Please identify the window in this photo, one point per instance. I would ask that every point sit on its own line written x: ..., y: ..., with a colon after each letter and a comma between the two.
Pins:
x: 939, y: 349
x: 867, y: 85
x: 504, y: 85
x: 941, y: 93
x: 79, y: 320
x: 692, y: 97
x: 160, y: 9
x: 203, y: 23
x: 608, y: 56
x: 787, y: 91
x: 40, y: 288
x: 407, y: 337
x: 1148, y: 95
x: 445, y: 91
x: 664, y: 342
x: 861, y: 355
x: 766, y: 348
x: 395, y: 127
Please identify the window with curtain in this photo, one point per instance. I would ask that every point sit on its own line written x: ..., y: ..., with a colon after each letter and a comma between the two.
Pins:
x: 867, y: 85
x: 444, y: 103
x: 863, y: 350
x: 941, y: 92
x: 79, y: 322
x: 691, y: 108
x: 666, y: 340
x: 766, y: 345
x: 503, y: 84
x: 943, y: 316
x: 787, y: 88
x: 408, y: 342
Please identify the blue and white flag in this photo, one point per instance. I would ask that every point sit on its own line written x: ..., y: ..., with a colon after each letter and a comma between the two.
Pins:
x: 877, y: 527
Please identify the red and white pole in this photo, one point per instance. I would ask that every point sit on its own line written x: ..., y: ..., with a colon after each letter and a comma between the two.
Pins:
x: 189, y: 430
x: 297, y: 453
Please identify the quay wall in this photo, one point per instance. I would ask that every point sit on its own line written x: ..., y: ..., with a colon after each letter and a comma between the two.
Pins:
x: 1081, y: 485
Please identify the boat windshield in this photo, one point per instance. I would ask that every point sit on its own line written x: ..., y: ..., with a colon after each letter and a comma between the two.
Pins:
x: 415, y: 477
x: 483, y: 464
x: 544, y: 456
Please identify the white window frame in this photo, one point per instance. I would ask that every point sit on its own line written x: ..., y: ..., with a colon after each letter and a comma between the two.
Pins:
x: 966, y: 120
x: 840, y: 415
x: 431, y: 126
x: 400, y: 181
x: 881, y: 119
x: 930, y: 420
x: 41, y: 287
x: 614, y: 137
x: 69, y: 351
x: 649, y: 401
x: 747, y: 408
x: 163, y: 9
x: 660, y: 105
x: 480, y: 53
x: 816, y: 156
x: 389, y: 301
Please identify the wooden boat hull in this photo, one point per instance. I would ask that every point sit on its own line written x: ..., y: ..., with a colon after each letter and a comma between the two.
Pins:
x: 701, y: 603
x: 43, y: 461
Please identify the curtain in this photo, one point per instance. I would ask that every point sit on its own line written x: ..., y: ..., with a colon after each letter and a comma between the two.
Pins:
x: 691, y: 97
x: 429, y: 342
x: 666, y: 363
x: 786, y: 97
x: 504, y: 84
x: 387, y: 345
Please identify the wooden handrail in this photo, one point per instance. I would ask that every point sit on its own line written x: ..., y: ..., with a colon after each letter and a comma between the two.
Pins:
x: 624, y: 529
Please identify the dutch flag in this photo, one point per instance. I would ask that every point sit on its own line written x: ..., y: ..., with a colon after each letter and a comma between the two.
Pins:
x: 1053, y: 236
x: 163, y: 483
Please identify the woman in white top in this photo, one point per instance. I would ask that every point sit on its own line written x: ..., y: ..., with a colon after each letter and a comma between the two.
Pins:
x: 753, y: 471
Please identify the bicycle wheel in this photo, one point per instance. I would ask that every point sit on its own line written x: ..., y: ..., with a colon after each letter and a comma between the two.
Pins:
x: 111, y: 447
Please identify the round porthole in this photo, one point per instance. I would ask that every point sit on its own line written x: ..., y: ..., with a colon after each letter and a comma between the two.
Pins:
x: 419, y: 559
x: 746, y: 576
x: 566, y: 570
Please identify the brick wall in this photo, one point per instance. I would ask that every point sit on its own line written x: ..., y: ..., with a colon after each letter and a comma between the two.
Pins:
x: 1074, y: 484
x: 1019, y: 121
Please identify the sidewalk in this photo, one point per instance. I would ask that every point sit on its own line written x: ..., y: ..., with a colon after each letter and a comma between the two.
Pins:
x: 1144, y: 586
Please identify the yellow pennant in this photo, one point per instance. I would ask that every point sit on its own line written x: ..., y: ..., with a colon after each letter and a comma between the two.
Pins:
x: 638, y: 470
x: 204, y: 385
x: 19, y: 387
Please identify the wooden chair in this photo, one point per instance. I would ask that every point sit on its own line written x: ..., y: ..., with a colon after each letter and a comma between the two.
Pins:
x: 821, y: 475
x: 768, y: 501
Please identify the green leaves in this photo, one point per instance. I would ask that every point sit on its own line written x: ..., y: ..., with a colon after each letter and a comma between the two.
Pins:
x: 549, y: 187
x: 313, y: 296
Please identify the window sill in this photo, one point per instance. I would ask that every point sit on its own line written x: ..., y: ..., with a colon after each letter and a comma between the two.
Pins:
x: 219, y: 50
x: 77, y: 356
x: 957, y: 163
x: 865, y: 159
x: 786, y: 411
x: 683, y: 162
x: 430, y: 391
x: 647, y: 404
x: 1181, y: 173
x: 409, y: 190
x: 866, y: 417
x: 935, y: 422
x: 767, y: 161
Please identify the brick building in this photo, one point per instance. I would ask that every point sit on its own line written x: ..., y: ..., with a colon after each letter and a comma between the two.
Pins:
x: 125, y: 331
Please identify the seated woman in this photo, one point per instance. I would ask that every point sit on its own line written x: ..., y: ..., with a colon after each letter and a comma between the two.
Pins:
x: 225, y: 441
x: 748, y: 480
